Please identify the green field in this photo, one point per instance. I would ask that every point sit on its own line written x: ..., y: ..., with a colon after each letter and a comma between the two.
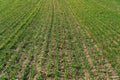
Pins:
x: 59, y: 39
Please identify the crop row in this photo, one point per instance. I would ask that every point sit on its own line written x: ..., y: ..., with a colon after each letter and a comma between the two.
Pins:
x: 101, y: 31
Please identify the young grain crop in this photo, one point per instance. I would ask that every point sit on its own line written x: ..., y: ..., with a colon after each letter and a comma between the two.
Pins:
x: 59, y: 40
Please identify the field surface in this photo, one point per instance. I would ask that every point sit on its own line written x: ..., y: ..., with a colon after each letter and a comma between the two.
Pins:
x: 59, y: 39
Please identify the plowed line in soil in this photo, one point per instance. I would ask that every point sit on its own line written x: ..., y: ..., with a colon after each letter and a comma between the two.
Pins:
x: 102, y: 58
x: 88, y: 56
x: 41, y: 69
x: 86, y: 73
x: 26, y: 60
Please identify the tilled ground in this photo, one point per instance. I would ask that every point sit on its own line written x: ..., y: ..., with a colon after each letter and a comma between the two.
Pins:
x: 52, y: 43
